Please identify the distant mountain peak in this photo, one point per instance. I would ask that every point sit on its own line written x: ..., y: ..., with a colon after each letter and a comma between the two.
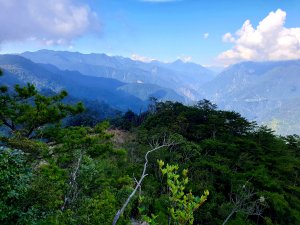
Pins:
x: 177, y: 75
x: 179, y: 61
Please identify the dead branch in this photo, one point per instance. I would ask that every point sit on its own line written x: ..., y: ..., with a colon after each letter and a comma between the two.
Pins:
x: 155, y: 146
x: 245, y: 200
x: 72, y: 194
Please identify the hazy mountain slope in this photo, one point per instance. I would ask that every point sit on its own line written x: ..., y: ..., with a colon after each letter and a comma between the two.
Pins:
x: 20, y: 70
x: 184, y: 78
x: 193, y: 72
x: 250, y: 81
x: 267, y: 92
x: 145, y: 91
x: 285, y: 118
x: 237, y: 77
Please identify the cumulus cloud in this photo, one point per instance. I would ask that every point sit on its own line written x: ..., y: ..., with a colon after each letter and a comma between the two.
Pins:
x: 137, y: 57
x: 50, y: 22
x: 270, y: 40
x: 228, y: 37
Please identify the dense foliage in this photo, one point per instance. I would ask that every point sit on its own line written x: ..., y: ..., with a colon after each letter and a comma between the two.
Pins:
x: 61, y: 174
x: 252, y: 175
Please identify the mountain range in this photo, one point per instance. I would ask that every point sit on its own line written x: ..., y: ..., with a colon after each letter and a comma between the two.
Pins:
x: 267, y: 92
x: 49, y: 78
x: 184, y: 78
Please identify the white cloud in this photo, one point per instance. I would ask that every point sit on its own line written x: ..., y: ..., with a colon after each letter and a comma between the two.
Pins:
x: 205, y: 35
x: 228, y: 37
x: 270, y: 40
x: 50, y: 22
x: 186, y: 58
x: 137, y: 57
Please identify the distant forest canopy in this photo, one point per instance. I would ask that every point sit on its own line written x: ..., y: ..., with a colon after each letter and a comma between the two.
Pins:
x: 59, y: 165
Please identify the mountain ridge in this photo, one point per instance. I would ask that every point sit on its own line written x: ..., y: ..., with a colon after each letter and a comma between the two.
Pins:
x: 260, y: 91
x: 128, y: 70
x: 78, y: 85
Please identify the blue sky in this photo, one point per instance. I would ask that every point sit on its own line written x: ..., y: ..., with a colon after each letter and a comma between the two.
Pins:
x: 164, y: 30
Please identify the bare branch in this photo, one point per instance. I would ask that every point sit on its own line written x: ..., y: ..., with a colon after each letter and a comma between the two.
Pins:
x: 72, y: 194
x: 140, y: 187
x: 154, y: 145
x: 243, y: 202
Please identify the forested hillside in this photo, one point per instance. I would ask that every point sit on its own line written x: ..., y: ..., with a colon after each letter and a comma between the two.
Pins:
x: 198, y: 164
